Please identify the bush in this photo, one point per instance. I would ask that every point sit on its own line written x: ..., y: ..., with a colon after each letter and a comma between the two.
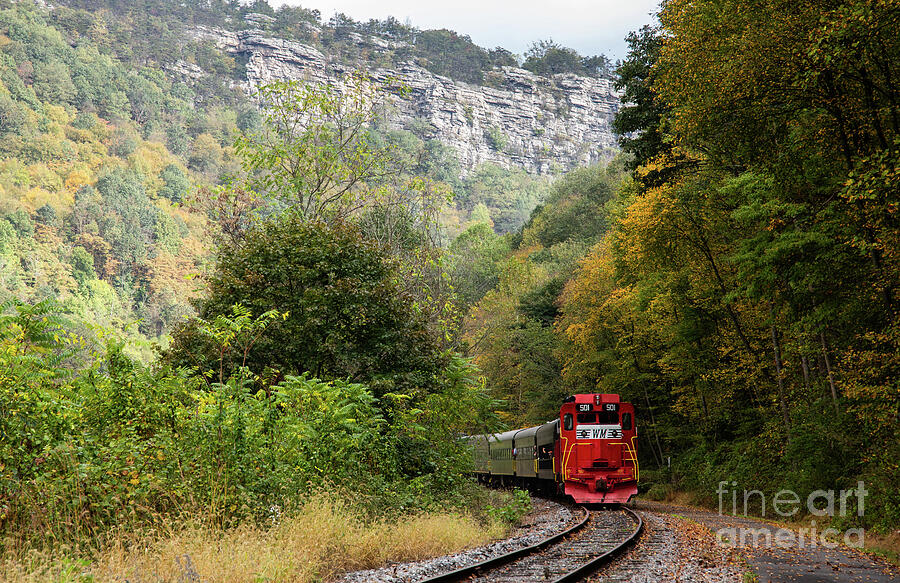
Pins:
x: 659, y: 492
x: 496, y: 139
x: 116, y: 444
x: 175, y: 183
x: 513, y: 511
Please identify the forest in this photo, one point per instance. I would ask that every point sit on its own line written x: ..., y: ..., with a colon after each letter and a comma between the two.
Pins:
x: 734, y: 273
x: 216, y: 318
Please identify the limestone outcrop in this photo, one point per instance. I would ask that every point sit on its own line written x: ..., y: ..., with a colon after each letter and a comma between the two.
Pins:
x: 542, y: 124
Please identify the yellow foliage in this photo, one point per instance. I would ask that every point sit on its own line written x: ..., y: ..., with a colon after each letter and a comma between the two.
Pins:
x: 57, y: 114
x: 77, y: 178
x: 149, y: 158
x: 591, y: 305
x: 525, y: 250
x: 78, y: 135
x: 647, y: 220
x: 167, y: 273
x: 44, y: 177
x: 37, y: 197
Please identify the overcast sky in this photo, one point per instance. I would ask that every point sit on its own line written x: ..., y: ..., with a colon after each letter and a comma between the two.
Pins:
x: 590, y: 27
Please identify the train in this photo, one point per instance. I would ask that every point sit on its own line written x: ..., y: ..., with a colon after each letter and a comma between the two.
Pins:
x: 588, y: 453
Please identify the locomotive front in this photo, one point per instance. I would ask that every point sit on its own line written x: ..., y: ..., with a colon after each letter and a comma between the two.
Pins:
x: 597, y: 449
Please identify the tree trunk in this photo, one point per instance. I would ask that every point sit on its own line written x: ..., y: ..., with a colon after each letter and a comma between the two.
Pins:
x: 805, y: 364
x: 658, y: 457
x: 834, y: 395
x: 785, y: 413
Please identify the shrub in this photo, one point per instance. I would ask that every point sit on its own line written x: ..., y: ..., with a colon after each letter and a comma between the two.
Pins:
x: 495, y: 138
x: 86, y: 448
x: 514, y: 510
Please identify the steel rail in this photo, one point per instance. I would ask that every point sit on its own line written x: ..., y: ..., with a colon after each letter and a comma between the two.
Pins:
x: 594, y: 564
x: 576, y: 574
x: 466, y: 572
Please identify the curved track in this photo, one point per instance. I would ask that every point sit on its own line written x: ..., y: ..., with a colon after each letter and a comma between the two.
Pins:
x: 571, y: 555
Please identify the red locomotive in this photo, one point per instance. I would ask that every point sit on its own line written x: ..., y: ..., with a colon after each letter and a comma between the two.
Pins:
x: 588, y: 453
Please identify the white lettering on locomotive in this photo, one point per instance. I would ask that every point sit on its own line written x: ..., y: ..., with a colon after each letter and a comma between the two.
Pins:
x: 598, y: 432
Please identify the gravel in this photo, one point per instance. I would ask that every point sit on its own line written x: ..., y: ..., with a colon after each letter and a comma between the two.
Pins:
x: 546, y: 519
x: 673, y: 549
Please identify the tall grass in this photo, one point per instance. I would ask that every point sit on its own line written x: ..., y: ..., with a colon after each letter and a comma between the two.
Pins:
x: 326, y: 538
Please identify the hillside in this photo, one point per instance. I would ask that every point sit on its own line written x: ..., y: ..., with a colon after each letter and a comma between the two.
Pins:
x: 113, y: 114
x: 90, y: 194
x: 552, y: 114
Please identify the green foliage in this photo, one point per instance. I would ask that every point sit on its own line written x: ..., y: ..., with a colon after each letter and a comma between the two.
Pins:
x: 249, y: 121
x: 514, y: 510
x: 452, y: 55
x: 12, y: 116
x: 115, y: 444
x: 742, y: 288
x: 347, y: 315
x: 510, y: 194
x: 46, y: 215
x: 547, y: 58
x: 496, y: 139
x: 512, y: 327
x: 82, y: 266
x: 320, y: 358
x: 314, y: 154
x: 129, y: 214
x: 475, y: 262
x: 81, y: 125
x: 21, y: 223
x: 638, y: 123
x: 52, y: 83
x: 575, y: 207
x: 175, y: 183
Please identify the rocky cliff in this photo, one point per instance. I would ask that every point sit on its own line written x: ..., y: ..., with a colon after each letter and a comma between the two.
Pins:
x: 538, y: 123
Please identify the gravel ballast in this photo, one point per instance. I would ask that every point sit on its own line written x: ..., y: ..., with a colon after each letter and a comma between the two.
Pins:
x: 673, y: 549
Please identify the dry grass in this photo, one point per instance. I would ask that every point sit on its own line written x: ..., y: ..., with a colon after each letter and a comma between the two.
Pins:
x: 324, y: 540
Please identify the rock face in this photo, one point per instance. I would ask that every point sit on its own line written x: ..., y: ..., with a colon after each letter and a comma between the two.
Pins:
x: 537, y: 123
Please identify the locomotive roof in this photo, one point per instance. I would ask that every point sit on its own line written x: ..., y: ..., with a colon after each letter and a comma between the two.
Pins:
x: 592, y: 398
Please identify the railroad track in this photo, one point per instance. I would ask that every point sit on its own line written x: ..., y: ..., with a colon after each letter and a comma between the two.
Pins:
x: 569, y: 556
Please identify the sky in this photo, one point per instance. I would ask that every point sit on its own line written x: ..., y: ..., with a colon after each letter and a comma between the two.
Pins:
x: 588, y: 26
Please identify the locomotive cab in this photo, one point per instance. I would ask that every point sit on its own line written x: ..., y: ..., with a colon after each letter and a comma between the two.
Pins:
x: 597, y: 449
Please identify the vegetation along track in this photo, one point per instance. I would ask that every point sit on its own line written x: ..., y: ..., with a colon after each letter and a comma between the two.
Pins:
x: 568, y: 556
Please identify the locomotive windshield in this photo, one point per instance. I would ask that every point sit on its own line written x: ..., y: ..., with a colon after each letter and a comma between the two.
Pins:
x: 608, y: 417
x: 601, y: 417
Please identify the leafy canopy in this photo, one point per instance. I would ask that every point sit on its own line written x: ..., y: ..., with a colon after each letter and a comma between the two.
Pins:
x: 315, y: 154
x: 346, y: 313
